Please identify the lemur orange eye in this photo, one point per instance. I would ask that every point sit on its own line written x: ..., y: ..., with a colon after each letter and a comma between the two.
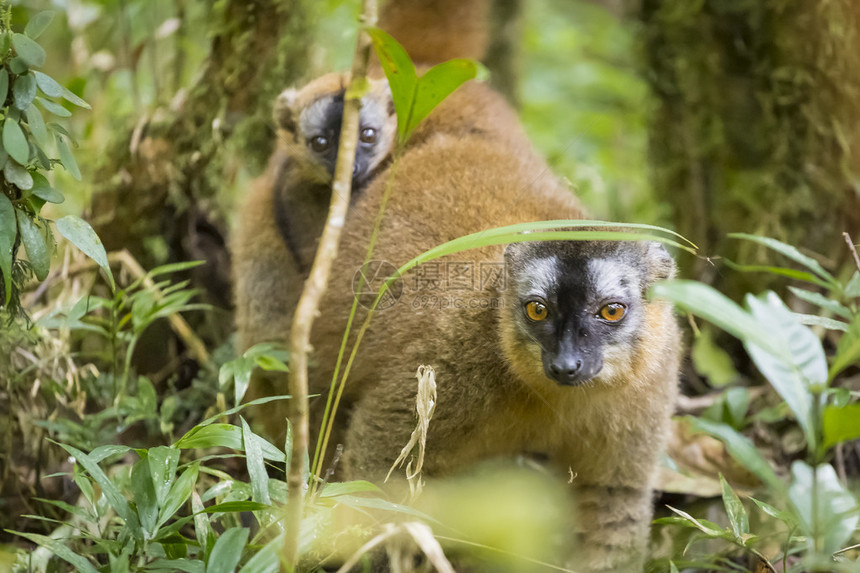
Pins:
x: 613, y: 312
x: 319, y: 143
x: 536, y: 311
x: 368, y: 135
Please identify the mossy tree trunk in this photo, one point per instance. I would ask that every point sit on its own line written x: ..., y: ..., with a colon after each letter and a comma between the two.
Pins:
x: 162, y: 177
x: 755, y: 125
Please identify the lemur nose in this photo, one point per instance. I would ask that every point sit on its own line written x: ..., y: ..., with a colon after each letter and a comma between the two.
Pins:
x: 566, y: 370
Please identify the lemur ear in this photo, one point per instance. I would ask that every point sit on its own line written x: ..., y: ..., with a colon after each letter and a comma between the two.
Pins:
x: 661, y: 265
x: 282, y: 111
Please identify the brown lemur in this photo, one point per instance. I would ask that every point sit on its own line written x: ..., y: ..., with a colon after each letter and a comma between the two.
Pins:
x: 565, y: 357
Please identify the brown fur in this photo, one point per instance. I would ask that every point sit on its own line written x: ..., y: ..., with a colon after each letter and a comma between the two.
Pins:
x: 469, y: 168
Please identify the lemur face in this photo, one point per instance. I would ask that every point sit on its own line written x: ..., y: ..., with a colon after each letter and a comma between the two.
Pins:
x: 580, y: 305
x: 313, y: 115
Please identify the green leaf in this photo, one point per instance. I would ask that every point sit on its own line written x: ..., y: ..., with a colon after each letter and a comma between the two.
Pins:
x: 48, y: 85
x: 37, y: 125
x: 334, y: 489
x: 434, y: 86
x: 56, y: 547
x: 4, y: 86
x: 790, y: 252
x: 704, y: 526
x: 24, y: 91
x: 852, y: 289
x: 8, y: 234
x: 256, y: 466
x: 227, y: 551
x: 179, y: 493
x: 841, y: 424
x: 81, y: 234
x: 54, y: 108
x: 72, y: 98
x: 741, y: 449
x: 401, y: 74
x: 792, y: 378
x: 820, y: 300
x: 29, y: 51
x: 14, y: 141
x: 163, y: 462
x: 266, y: 559
x: 68, y: 158
x: 42, y: 189
x: 785, y: 516
x: 737, y: 402
x: 236, y: 506
x: 172, y: 565
x: 848, y: 349
x: 143, y: 495
x: 711, y: 361
x: 37, y: 24
x: 828, y: 323
x: 34, y: 241
x: 706, y: 302
x: 17, y: 175
x: 827, y: 511
x: 735, y: 510
x: 112, y: 494
x: 109, y: 450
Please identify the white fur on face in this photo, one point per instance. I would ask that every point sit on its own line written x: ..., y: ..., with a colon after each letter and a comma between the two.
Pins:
x: 539, y: 275
x: 608, y: 277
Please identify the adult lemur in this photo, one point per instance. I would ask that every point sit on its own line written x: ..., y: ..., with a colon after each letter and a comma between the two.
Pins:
x: 566, y: 357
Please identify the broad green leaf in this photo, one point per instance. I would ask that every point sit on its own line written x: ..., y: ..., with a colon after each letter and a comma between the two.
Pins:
x: 266, y: 559
x: 735, y: 510
x: 795, y: 274
x: 42, y: 189
x: 172, y: 565
x: 17, y: 175
x: 848, y: 349
x: 227, y: 551
x: 841, y: 424
x: 68, y: 158
x: 18, y: 66
x: 54, y: 108
x: 711, y: 361
x: 47, y: 84
x: 270, y: 363
x: 14, y: 141
x: 820, y: 300
x: 806, y: 366
x: 163, y: 462
x: 37, y: 24
x: 37, y: 125
x: 38, y: 252
x: 29, y: 51
x: 702, y: 525
x: 256, y: 467
x: 112, y: 494
x: 143, y: 495
x: 225, y: 436
x: 4, y: 85
x: 785, y: 516
x: 56, y: 547
x: 81, y: 234
x: 708, y: 303
x: 24, y: 91
x: 8, y: 234
x: 790, y: 252
x: 179, y: 492
x: 102, y: 453
x: 383, y: 504
x: 741, y: 449
x: 402, y: 77
x: 827, y: 511
x: 737, y: 402
x: 232, y: 411
x: 434, y: 86
x: 202, y: 525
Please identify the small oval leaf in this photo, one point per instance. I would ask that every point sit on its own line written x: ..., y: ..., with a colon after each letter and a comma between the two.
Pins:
x: 54, y: 108
x: 68, y: 158
x: 47, y: 84
x: 38, y: 23
x: 24, y: 90
x: 4, y: 85
x: 74, y: 99
x: 30, y: 52
x: 18, y: 176
x: 81, y: 235
x: 37, y: 125
x: 42, y: 189
x: 34, y: 242
x: 14, y: 141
